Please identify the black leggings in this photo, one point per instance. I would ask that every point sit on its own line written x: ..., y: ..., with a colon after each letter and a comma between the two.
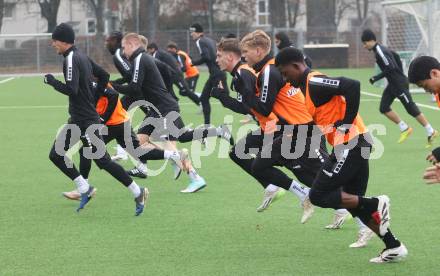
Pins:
x: 184, y: 89
x: 91, y: 138
x: 117, y: 132
x: 213, y: 81
x: 390, y: 93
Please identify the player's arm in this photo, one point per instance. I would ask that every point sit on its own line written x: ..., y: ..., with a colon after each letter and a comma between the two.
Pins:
x: 270, y: 87
x: 112, y: 98
x: 101, y: 76
x: 71, y: 77
x: 204, y: 53
x: 229, y: 102
x: 388, y: 64
x: 165, y: 71
x: 134, y: 87
x: 123, y: 66
x: 324, y: 88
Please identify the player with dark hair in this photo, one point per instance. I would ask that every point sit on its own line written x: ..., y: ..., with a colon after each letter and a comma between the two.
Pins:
x: 163, y: 119
x: 84, y: 123
x: 342, y: 180
x: 207, y: 49
x: 176, y: 72
x: 282, y: 41
x: 424, y: 71
x: 249, y: 100
x: 185, y: 62
x: 398, y: 87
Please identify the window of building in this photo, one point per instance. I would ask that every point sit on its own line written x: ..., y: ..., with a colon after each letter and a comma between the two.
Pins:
x: 91, y: 26
x: 9, y: 10
x: 10, y: 44
x: 262, y: 13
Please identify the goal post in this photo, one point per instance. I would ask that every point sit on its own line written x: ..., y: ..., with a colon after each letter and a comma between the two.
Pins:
x: 409, y: 28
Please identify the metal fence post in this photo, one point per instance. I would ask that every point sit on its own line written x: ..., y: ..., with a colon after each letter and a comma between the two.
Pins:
x: 38, y: 55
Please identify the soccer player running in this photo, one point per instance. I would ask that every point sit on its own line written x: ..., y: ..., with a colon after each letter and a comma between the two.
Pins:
x: 207, y: 49
x: 84, y: 123
x: 397, y: 87
x: 424, y: 71
x: 185, y: 62
x: 163, y: 119
x: 267, y: 105
x: 117, y: 121
x: 342, y: 180
x: 176, y: 73
x: 113, y: 44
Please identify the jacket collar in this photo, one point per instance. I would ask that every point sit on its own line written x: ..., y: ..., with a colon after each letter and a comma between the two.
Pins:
x: 67, y: 52
x: 136, y: 53
x: 259, y: 65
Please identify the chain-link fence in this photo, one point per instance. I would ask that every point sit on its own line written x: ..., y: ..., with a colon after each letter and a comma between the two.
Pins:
x: 33, y: 53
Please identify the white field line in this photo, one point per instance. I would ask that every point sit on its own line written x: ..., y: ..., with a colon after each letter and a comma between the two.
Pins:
x: 65, y: 106
x: 6, y: 80
x: 418, y: 104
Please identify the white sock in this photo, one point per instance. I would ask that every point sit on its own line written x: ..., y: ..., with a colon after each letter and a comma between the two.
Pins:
x: 361, y: 225
x: 120, y: 150
x: 81, y: 184
x: 429, y: 129
x: 218, y: 131
x: 193, y: 175
x: 167, y: 154
x: 300, y: 191
x: 403, y: 126
x: 271, y: 188
x: 134, y: 188
x: 142, y: 167
x: 341, y: 211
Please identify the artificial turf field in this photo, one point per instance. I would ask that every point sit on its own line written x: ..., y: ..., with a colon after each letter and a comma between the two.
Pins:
x: 216, y: 231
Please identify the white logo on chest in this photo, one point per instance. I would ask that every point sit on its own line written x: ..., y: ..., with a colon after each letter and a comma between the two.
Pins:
x: 292, y: 91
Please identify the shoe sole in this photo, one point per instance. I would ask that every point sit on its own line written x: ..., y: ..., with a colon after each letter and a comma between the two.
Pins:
x: 79, y: 198
x: 195, y: 191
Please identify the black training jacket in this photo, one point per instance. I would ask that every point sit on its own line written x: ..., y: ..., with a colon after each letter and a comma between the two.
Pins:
x: 147, y: 83
x: 208, y: 54
x: 390, y: 67
x: 78, y: 70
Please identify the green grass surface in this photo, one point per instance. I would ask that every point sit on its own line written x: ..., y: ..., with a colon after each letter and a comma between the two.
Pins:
x: 214, y: 232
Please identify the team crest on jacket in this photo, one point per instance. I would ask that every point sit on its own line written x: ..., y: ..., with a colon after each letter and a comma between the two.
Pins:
x: 292, y: 91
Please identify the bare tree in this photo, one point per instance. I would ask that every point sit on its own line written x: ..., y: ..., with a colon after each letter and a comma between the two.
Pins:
x: 362, y: 9
x: 98, y: 8
x: 49, y: 10
x: 2, y: 7
x: 342, y: 7
x: 293, y: 11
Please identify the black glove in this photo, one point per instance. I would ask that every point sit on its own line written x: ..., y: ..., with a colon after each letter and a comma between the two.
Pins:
x: 115, y: 85
x: 341, y: 127
x: 372, y: 80
x: 49, y: 79
x: 217, y: 92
